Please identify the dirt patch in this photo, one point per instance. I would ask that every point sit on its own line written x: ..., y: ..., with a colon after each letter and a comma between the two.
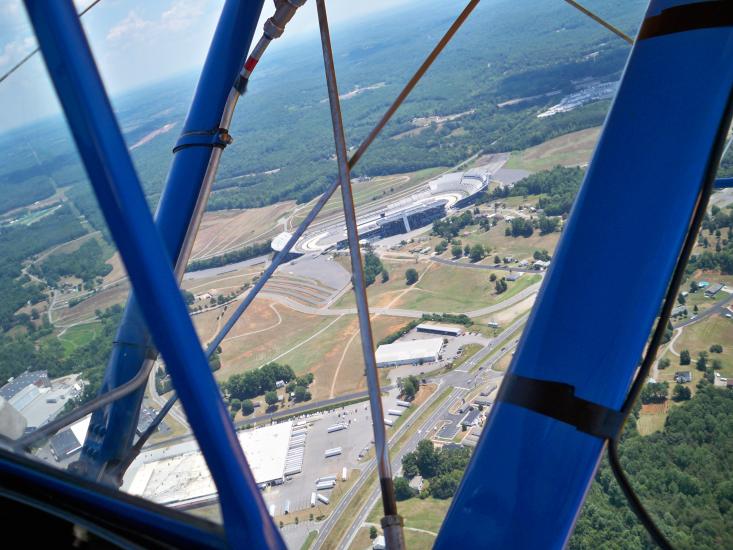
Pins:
x: 227, y: 230
x: 118, y: 269
x: 655, y: 408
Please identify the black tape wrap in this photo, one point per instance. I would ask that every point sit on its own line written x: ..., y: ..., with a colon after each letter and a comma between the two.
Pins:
x: 558, y: 400
x: 218, y: 137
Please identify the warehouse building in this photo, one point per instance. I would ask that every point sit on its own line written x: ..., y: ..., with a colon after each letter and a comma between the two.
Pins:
x: 180, y: 478
x: 409, y: 353
x: 446, y: 330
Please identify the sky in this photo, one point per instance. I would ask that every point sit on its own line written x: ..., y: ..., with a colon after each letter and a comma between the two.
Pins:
x: 137, y: 42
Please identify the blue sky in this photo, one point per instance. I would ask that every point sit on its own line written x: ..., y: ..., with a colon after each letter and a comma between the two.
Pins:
x: 136, y: 42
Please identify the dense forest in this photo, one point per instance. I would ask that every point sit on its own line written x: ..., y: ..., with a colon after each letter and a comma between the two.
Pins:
x: 682, y: 475
x: 19, y: 242
x: 85, y: 263
x: 536, y: 54
x: 718, y: 245
x: 557, y: 186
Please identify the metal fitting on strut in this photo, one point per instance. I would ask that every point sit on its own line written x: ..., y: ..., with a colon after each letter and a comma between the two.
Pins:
x: 272, y: 29
x: 392, y: 528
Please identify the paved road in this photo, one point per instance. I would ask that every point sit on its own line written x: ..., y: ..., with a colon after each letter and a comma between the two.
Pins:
x: 215, y: 271
x: 454, y: 263
x: 462, y: 381
x: 716, y: 308
x: 280, y: 413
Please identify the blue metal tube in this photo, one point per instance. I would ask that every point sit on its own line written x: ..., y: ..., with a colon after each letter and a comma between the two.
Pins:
x: 528, y: 478
x: 110, y: 169
x: 185, y: 184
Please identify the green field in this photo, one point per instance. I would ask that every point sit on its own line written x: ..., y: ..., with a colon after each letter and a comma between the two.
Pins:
x: 427, y: 514
x: 700, y: 336
x: 79, y: 335
x: 571, y: 149
x: 457, y: 290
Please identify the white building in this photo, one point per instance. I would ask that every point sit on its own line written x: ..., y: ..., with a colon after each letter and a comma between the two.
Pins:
x: 412, y: 352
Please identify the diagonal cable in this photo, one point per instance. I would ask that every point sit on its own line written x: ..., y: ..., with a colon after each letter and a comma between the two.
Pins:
x: 23, y: 61
x: 322, y: 200
x: 598, y: 19
x: 391, y: 522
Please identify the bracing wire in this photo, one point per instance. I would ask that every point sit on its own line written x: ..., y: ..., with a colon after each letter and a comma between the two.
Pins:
x: 29, y: 55
x: 434, y: 53
x: 598, y: 19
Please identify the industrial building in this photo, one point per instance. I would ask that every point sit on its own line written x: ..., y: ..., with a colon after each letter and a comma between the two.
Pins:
x: 447, y: 330
x: 69, y: 441
x: 412, y: 352
x: 183, y: 479
x: 37, y: 399
x: 37, y: 378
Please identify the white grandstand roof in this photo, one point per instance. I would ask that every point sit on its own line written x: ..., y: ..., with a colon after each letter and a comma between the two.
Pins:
x: 413, y: 350
x: 279, y: 242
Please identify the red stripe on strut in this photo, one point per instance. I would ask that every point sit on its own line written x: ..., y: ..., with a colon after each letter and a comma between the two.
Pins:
x: 250, y: 64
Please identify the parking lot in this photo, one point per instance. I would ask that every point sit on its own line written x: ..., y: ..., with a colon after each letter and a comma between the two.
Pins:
x: 355, y: 439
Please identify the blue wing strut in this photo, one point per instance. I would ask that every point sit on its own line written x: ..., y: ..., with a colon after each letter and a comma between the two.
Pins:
x: 148, y: 260
x: 526, y: 483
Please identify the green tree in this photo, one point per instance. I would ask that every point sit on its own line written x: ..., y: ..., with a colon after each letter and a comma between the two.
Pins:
x: 409, y: 386
x: 409, y: 465
x: 685, y: 357
x: 500, y: 286
x: 235, y: 405
x: 402, y: 489
x: 654, y: 392
x: 547, y: 225
x: 247, y: 407
x: 427, y: 459
x: 301, y: 394
x: 373, y: 533
x: 681, y: 393
x: 663, y: 363
x: 411, y: 276
x: 681, y: 299
x: 477, y: 253
x: 702, y: 361
x: 271, y: 398
x: 716, y: 348
x: 385, y: 275
x: 492, y: 277
x: 467, y: 249
x: 445, y: 486
x: 456, y: 250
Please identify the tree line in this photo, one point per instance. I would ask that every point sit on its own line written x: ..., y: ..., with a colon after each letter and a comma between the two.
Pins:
x: 246, y: 253
x: 682, y: 475
x: 85, y: 263
x: 443, y: 469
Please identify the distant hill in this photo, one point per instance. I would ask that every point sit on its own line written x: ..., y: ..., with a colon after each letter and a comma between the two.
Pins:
x: 283, y: 146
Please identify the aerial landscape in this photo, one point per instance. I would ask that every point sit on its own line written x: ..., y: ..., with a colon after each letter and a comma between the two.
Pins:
x: 460, y: 206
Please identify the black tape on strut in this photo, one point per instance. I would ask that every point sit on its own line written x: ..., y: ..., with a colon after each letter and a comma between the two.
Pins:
x: 558, y: 400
